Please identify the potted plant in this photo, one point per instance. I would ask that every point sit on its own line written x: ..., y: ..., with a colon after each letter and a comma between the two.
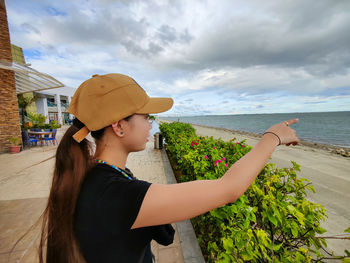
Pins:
x: 15, y: 146
x: 28, y: 125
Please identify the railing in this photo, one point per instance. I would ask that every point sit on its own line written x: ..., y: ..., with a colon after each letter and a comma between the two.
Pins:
x: 63, y: 105
x: 51, y: 104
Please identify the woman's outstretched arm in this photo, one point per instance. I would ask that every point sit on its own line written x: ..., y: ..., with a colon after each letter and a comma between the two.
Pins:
x: 172, y: 203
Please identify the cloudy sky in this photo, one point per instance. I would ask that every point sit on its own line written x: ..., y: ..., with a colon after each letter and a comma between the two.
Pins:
x: 211, y: 57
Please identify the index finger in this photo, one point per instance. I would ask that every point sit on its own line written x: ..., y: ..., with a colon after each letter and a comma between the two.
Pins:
x: 292, y: 121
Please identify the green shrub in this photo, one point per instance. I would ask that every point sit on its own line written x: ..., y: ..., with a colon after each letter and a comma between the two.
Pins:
x: 54, y: 125
x: 39, y: 122
x: 271, y: 222
x: 37, y: 119
x: 15, y: 141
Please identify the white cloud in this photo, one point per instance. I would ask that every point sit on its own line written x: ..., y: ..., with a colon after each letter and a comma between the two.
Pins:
x: 255, y: 56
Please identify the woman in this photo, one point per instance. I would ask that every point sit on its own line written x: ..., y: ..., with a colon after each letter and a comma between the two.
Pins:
x: 97, y: 210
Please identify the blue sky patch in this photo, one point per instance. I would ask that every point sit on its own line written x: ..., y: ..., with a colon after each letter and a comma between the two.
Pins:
x: 31, y: 54
x: 54, y: 12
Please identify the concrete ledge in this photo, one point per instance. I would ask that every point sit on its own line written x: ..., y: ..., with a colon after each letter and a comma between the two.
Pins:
x: 188, y: 240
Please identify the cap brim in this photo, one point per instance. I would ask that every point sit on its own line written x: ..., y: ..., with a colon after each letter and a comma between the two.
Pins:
x: 156, y: 105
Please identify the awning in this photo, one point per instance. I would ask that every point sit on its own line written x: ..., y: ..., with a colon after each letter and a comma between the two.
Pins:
x: 29, y: 79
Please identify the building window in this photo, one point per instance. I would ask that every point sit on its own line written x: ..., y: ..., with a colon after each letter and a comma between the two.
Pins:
x: 51, y: 102
x: 53, y: 116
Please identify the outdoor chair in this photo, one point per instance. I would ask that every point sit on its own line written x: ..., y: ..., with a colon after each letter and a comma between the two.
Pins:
x: 53, y: 137
x: 27, y: 140
x: 47, y: 136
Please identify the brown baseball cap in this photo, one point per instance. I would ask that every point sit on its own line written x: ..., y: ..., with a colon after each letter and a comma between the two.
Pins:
x: 105, y: 99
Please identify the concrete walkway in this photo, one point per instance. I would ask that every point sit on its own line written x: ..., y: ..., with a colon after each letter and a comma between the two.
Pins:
x: 25, y: 180
x: 153, y: 165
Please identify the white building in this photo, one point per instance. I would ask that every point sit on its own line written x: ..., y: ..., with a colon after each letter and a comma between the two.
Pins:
x: 53, y: 104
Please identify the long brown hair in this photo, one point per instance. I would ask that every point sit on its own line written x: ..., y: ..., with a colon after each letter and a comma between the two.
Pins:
x: 58, y: 242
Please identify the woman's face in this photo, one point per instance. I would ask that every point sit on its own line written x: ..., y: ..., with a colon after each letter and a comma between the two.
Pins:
x: 137, y: 134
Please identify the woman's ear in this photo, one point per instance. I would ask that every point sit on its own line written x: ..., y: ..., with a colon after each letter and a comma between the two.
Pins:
x: 118, y: 129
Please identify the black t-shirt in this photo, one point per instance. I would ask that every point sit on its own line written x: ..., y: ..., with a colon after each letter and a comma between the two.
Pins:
x: 107, y: 207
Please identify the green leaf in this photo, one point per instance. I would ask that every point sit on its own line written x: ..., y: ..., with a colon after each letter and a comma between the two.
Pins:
x: 246, y: 256
x: 294, y: 232
x: 277, y: 247
x: 296, y: 166
x: 299, y: 257
x: 321, y: 230
x: 347, y: 230
x: 234, y: 208
x: 324, y: 242
x: 347, y: 252
x: 297, y: 214
x: 227, y: 243
x: 262, y: 236
x: 294, y: 229
x: 272, y: 218
x: 212, y: 245
x: 224, y: 258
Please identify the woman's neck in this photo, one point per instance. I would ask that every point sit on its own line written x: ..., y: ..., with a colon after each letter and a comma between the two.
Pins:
x: 115, y: 157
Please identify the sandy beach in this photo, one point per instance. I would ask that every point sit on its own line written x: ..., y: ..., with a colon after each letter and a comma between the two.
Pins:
x: 329, y: 173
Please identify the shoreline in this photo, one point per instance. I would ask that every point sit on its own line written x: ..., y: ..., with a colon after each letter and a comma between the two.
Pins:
x: 341, y: 150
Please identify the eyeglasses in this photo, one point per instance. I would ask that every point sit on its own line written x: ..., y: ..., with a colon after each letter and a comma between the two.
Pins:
x: 149, y: 120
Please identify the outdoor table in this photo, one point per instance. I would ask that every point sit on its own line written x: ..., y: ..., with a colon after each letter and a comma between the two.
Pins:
x: 41, y: 135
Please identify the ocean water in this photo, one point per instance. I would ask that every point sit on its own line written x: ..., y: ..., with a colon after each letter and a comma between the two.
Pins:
x: 322, y: 127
